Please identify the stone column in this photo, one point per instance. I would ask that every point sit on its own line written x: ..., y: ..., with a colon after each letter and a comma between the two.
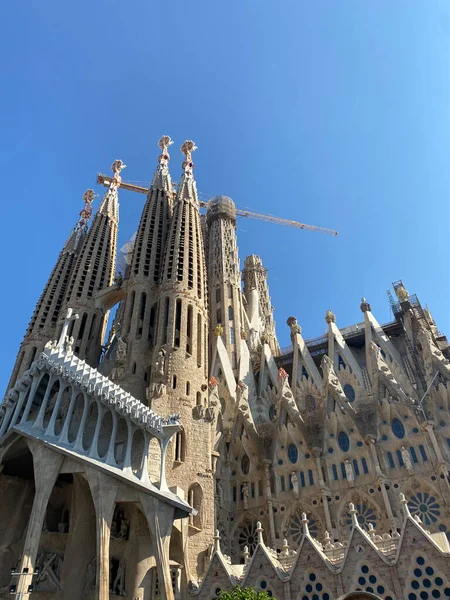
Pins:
x: 267, y: 462
x: 316, y: 452
x: 104, y: 492
x: 380, y: 480
x: 47, y: 464
x: 160, y: 517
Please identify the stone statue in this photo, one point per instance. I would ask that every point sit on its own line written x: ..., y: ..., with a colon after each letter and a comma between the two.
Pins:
x: 349, y: 472
x: 294, y: 481
x: 406, y: 456
x: 118, y: 586
x: 213, y: 392
x: 69, y: 344
x: 295, y: 327
x: 160, y: 363
x: 158, y: 386
x: 121, y: 351
x: 218, y: 331
x: 245, y: 493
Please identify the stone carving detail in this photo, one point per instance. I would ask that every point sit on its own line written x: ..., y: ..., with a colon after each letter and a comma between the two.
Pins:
x: 120, y: 526
x: 245, y: 493
x: 49, y: 565
x: 158, y: 386
x: 349, y: 473
x: 121, y: 352
x: 69, y: 344
x: 295, y: 486
x: 117, y: 577
x: 407, y: 460
x: 330, y: 317
x: 402, y: 293
x: 295, y: 327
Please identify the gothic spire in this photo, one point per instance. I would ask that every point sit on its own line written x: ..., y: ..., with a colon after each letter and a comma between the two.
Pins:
x: 42, y: 326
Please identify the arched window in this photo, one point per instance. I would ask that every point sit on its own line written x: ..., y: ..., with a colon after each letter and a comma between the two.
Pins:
x: 180, y: 447
x: 245, y: 464
x: 344, y: 442
x: 335, y: 473
x: 400, y: 458
x: 188, y: 388
x: 199, y: 399
x: 423, y: 453
x: 302, y: 478
x: 232, y: 337
x: 356, y: 467
x: 343, y: 471
x: 391, y: 460
x: 283, y: 485
x: 364, y: 465
x: 311, y: 477
x: 413, y: 454
x: 349, y: 392
x: 398, y: 429
x: 230, y: 313
x: 195, y: 499
x: 293, y: 453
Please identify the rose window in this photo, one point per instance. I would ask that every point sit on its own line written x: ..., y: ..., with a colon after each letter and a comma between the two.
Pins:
x: 425, y: 506
x: 365, y: 516
x: 294, y: 528
x: 247, y: 536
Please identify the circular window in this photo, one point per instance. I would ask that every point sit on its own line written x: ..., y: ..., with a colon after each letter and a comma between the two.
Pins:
x: 349, y: 392
x: 245, y: 464
x: 398, y: 429
x: 344, y: 442
x: 293, y: 453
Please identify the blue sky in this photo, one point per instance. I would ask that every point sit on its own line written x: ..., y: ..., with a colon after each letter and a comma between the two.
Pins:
x: 334, y: 113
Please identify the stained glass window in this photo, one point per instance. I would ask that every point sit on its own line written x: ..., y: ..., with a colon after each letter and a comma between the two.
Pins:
x: 293, y: 453
x: 398, y: 429
x: 349, y: 392
x: 344, y: 442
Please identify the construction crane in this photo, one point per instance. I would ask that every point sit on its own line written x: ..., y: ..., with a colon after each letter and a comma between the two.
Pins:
x: 106, y: 180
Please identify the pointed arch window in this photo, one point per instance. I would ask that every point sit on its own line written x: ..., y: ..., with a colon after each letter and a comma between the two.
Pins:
x: 364, y: 465
x: 423, y: 453
x: 400, y: 458
x: 349, y: 392
x: 356, y: 467
x: 302, y: 478
x: 413, y: 454
x: 391, y: 460
x: 195, y: 499
x: 245, y: 465
x: 293, y: 453
x: 335, y: 473
x: 310, y: 477
x: 341, y: 362
x: 398, y: 428
x: 344, y: 442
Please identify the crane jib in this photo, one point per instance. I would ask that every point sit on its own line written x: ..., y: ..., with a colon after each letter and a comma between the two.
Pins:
x: 106, y: 181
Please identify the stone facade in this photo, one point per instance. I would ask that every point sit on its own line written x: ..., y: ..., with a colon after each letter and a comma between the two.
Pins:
x: 190, y: 453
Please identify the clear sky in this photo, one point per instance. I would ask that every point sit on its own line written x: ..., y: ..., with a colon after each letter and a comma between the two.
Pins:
x: 333, y: 112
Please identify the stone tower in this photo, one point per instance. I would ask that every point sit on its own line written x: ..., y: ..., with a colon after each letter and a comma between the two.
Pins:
x: 44, y: 321
x: 255, y: 278
x: 179, y: 382
x: 94, y: 271
x: 224, y: 277
x: 139, y: 309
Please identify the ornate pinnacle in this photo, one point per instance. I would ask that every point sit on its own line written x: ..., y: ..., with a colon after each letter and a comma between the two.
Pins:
x: 365, y: 306
x: 116, y: 167
x: 330, y: 317
x: 164, y: 144
x: 89, y: 196
x: 187, y: 149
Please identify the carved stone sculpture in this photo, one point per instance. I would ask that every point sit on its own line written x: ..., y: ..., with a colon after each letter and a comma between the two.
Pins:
x: 349, y: 473
x: 407, y: 460
x: 330, y: 317
x: 295, y: 327
x: 245, y: 493
x: 295, y: 486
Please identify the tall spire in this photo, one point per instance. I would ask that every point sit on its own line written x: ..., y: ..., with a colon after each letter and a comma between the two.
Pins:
x: 94, y: 271
x: 42, y: 326
x: 137, y: 313
x: 179, y: 381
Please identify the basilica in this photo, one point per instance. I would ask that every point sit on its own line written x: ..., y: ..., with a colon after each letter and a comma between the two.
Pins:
x: 179, y: 451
